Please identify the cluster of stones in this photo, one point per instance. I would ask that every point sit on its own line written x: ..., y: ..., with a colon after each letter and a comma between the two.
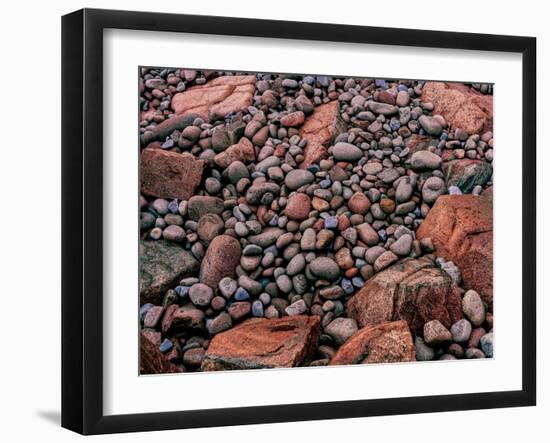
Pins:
x: 307, y: 220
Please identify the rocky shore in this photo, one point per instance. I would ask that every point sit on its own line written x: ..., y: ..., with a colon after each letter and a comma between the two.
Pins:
x: 302, y: 220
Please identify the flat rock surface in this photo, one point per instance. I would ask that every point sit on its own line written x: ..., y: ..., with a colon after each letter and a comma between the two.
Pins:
x: 461, y: 230
x: 319, y: 130
x: 389, y: 342
x: 414, y: 290
x: 161, y: 265
x: 217, y: 97
x: 169, y: 174
x: 264, y: 343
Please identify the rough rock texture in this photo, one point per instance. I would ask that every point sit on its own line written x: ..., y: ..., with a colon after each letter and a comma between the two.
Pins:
x: 162, y: 264
x: 383, y: 343
x: 462, y: 107
x: 216, y: 98
x: 242, y: 151
x: 169, y: 175
x: 414, y: 290
x: 264, y: 343
x: 466, y: 174
x: 221, y: 259
x: 152, y: 361
x: 319, y: 130
x: 461, y: 230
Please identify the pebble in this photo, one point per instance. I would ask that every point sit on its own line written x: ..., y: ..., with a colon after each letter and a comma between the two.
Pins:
x: 473, y: 307
x: 435, y: 333
x: 298, y: 178
x: 432, y: 189
x: 425, y: 160
x: 296, y: 308
x: 346, y: 152
x: 431, y: 125
x: 340, y: 329
x: 257, y: 308
x: 402, y: 246
x: 220, y: 323
x: 461, y: 331
x: 296, y: 265
x: 474, y: 353
x: 201, y: 294
x: 325, y: 268
x: 486, y: 343
x: 174, y: 233
x: 423, y: 351
x: 166, y: 345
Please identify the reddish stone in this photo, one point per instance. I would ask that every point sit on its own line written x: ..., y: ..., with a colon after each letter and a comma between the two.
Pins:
x: 385, y: 97
x: 359, y: 203
x: 169, y: 174
x: 461, y: 230
x: 216, y: 98
x: 264, y: 343
x: 383, y: 343
x: 298, y: 206
x: 319, y: 130
x: 462, y: 107
x: 182, y: 319
x: 239, y: 310
x: 293, y: 119
x: 242, y: 151
x: 221, y: 259
x: 414, y: 290
x: 152, y: 361
x: 153, y: 316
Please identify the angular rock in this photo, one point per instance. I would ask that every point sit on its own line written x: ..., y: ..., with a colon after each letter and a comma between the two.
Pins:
x: 319, y: 130
x: 383, y: 343
x: 221, y: 259
x: 466, y: 174
x: 169, y: 175
x: 462, y: 108
x: 414, y: 290
x: 435, y: 333
x: 461, y: 230
x: 264, y: 343
x: 241, y: 152
x: 216, y: 98
x: 162, y: 265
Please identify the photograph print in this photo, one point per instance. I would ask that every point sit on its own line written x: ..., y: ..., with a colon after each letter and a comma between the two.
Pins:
x: 306, y: 220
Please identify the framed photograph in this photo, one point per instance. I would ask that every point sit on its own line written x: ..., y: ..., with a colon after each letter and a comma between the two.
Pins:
x: 270, y: 221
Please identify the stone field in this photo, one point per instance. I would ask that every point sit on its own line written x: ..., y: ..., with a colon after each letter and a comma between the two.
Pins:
x: 307, y: 220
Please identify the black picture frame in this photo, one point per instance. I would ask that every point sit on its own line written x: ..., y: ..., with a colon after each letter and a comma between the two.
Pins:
x: 82, y: 260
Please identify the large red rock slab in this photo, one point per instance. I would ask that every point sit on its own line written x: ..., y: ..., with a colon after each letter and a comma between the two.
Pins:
x: 461, y: 230
x: 169, y: 175
x: 221, y: 259
x: 161, y: 265
x: 462, y: 107
x: 383, y: 343
x: 216, y: 98
x: 319, y: 130
x: 414, y: 290
x: 152, y: 361
x: 264, y: 343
